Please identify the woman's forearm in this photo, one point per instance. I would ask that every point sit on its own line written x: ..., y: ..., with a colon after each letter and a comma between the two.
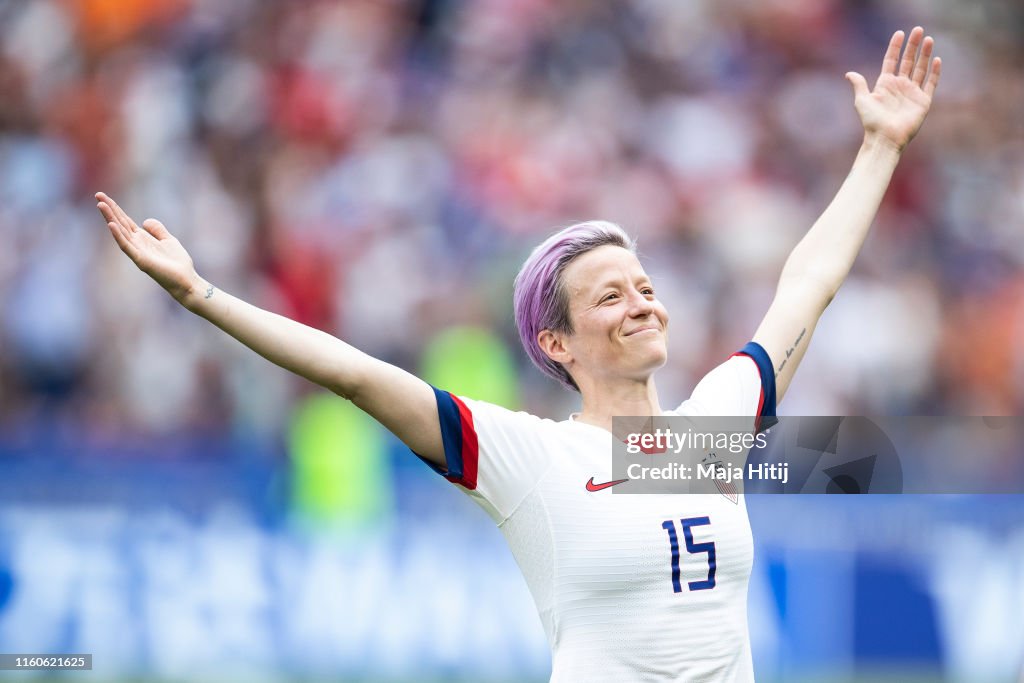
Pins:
x: 306, y: 351
x: 824, y: 256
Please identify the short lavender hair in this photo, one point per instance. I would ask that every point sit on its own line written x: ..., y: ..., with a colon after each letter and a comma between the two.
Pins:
x: 540, y: 298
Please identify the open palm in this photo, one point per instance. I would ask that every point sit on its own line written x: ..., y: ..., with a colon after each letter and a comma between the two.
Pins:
x: 153, y: 249
x: 896, y: 108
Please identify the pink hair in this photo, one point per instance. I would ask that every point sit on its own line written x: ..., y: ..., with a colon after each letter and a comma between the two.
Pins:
x: 539, y: 296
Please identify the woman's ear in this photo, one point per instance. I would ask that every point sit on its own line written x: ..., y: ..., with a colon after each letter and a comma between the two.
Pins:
x: 553, y: 345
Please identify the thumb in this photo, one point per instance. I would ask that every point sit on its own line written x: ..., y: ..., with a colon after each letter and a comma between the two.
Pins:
x: 860, y: 86
x: 155, y: 228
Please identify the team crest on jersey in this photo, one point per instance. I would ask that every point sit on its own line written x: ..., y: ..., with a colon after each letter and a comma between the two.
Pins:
x: 722, y: 483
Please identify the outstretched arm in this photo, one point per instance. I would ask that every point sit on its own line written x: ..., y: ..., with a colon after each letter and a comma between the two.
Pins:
x: 891, y: 114
x: 400, y: 401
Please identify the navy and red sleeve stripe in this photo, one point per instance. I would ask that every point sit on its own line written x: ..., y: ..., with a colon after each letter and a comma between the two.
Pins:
x: 766, y: 405
x: 458, y: 434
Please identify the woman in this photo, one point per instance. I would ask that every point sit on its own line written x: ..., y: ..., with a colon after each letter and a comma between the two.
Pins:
x: 619, y: 598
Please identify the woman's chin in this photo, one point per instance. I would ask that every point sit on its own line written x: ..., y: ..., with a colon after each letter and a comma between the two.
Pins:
x: 654, y: 360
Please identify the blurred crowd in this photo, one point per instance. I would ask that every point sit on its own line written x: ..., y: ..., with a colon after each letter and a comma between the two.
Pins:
x: 380, y: 169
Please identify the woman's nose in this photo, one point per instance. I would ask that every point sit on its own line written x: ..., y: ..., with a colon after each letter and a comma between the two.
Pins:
x: 640, y: 305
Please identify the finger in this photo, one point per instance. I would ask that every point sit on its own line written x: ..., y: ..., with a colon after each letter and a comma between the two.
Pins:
x: 111, y: 217
x: 122, y: 217
x: 933, y: 78
x: 892, y: 54
x: 103, y: 198
x: 156, y: 228
x: 118, y: 232
x: 106, y: 212
x: 105, y: 208
x: 923, y: 61
x: 124, y: 232
x: 910, y: 53
x: 122, y: 239
x: 860, y: 86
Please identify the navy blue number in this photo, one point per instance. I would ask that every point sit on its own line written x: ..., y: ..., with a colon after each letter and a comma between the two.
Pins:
x: 674, y: 540
x: 692, y: 548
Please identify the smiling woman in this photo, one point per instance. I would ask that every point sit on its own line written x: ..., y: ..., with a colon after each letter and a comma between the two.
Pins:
x: 616, y: 600
x: 570, y: 292
x: 604, y: 332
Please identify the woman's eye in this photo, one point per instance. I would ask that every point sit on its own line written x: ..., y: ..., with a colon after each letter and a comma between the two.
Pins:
x: 648, y: 291
x: 609, y: 297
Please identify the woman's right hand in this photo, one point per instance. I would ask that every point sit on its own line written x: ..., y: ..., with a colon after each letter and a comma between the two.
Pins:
x: 154, y: 250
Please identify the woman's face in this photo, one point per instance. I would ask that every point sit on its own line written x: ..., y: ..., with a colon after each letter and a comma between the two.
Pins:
x: 620, y: 327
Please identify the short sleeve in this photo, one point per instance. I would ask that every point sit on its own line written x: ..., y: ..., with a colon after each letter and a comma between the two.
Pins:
x: 742, y: 385
x: 496, y: 455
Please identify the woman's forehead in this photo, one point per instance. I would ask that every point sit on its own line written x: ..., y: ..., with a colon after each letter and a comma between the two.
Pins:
x: 602, y: 266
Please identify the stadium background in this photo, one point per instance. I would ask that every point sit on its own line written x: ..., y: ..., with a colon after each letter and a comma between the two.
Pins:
x: 185, y: 511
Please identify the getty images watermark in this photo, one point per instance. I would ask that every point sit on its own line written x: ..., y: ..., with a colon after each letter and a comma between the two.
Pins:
x: 821, y: 455
x: 664, y: 441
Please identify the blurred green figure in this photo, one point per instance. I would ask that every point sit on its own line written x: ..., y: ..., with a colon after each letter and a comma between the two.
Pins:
x: 341, y: 477
x: 473, y: 362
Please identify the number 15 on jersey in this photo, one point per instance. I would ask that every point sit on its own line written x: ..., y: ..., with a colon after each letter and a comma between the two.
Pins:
x: 708, y: 547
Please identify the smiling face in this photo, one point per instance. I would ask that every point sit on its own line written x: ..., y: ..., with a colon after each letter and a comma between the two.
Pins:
x: 619, y: 326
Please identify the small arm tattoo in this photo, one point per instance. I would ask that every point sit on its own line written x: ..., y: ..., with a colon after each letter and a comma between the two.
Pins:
x: 209, y: 292
x: 790, y: 352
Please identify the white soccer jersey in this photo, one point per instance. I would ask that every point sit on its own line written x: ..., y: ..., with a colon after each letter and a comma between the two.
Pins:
x: 628, y: 587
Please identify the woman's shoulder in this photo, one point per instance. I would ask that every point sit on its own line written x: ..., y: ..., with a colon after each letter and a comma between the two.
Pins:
x: 494, y: 413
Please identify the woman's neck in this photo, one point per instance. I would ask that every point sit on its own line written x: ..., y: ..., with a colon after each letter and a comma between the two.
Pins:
x: 601, y: 404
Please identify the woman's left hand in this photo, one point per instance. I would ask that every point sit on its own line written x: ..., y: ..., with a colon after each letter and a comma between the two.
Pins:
x: 893, y: 112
